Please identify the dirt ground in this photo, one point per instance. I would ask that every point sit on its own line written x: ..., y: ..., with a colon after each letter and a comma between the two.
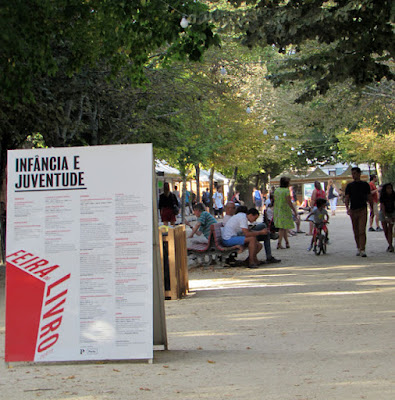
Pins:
x: 311, y: 327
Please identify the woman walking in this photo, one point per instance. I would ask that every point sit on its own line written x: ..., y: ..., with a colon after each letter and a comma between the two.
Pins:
x: 332, y: 195
x: 387, y: 213
x: 168, y: 205
x: 283, y: 210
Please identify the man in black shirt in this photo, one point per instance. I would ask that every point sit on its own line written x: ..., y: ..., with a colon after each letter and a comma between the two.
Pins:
x: 357, y: 195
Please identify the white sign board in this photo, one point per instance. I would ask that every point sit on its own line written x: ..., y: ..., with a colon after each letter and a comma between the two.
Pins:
x: 79, y: 254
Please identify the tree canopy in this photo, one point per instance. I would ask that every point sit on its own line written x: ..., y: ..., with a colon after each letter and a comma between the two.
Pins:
x: 99, y: 72
x: 40, y: 37
x: 346, y: 39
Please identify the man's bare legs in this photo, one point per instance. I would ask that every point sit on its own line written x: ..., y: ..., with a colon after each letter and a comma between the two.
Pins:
x: 254, y: 247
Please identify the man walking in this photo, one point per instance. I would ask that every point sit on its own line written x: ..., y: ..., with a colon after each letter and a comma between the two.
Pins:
x: 206, y: 198
x: 357, y: 195
x: 257, y: 199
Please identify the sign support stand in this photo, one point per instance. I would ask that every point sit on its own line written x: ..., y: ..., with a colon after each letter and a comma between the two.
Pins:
x: 159, y: 322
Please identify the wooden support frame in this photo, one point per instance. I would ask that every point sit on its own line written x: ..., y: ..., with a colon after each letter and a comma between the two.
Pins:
x: 178, y: 260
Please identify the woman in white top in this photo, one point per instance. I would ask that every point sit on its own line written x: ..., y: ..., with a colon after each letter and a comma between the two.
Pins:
x: 332, y: 195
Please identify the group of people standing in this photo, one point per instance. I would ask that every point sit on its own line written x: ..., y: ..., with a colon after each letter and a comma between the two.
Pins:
x: 170, y: 203
x: 356, y: 197
x: 360, y: 193
x: 282, y: 204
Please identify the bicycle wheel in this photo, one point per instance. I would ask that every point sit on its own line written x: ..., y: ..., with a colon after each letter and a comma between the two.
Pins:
x: 323, y: 239
x: 317, y: 246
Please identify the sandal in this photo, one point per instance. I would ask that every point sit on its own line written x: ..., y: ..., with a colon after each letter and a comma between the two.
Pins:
x: 280, y: 247
x: 287, y: 245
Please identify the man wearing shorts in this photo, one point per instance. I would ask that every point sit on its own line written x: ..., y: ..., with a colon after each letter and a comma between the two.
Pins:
x: 236, y: 233
x: 375, y: 196
x: 257, y: 198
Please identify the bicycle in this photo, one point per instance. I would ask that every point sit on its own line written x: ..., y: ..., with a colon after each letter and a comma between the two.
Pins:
x: 320, y: 237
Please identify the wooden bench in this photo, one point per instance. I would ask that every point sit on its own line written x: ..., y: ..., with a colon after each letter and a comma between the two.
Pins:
x: 214, y: 249
x: 222, y: 250
x: 199, y: 248
x: 202, y: 252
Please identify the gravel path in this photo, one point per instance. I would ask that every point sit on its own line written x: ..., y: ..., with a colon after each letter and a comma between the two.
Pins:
x: 307, y: 328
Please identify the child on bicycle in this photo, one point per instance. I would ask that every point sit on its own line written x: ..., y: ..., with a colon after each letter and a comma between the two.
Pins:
x: 320, y: 216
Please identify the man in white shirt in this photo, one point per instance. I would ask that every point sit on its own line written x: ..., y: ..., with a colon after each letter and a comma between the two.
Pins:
x: 218, y: 202
x: 236, y: 232
x: 230, y: 210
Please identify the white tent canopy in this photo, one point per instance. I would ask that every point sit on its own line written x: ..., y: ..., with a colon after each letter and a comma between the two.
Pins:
x: 218, y: 177
x: 163, y: 166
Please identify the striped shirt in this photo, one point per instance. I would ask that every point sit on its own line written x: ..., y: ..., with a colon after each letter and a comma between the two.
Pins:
x: 206, y: 219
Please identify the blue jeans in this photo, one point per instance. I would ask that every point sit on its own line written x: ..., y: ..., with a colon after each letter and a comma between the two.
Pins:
x: 264, y: 238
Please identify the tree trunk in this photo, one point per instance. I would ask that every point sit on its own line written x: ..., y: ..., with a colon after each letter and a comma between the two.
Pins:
x: 257, y: 181
x: 381, y: 170
x: 232, y: 184
x: 184, y: 189
x: 94, y: 124
x: 197, y: 169
x: 211, y: 189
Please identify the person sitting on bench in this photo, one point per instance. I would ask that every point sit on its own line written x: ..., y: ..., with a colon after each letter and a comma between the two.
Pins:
x: 236, y: 232
x: 204, y: 220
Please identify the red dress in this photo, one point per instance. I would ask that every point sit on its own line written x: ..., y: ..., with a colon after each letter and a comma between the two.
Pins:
x: 166, y: 206
x: 320, y: 194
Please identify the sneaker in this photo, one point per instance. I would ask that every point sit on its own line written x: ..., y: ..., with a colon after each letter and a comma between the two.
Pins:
x: 378, y: 229
x: 358, y: 253
x: 371, y: 229
x: 363, y: 254
x: 272, y: 260
x: 309, y: 248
